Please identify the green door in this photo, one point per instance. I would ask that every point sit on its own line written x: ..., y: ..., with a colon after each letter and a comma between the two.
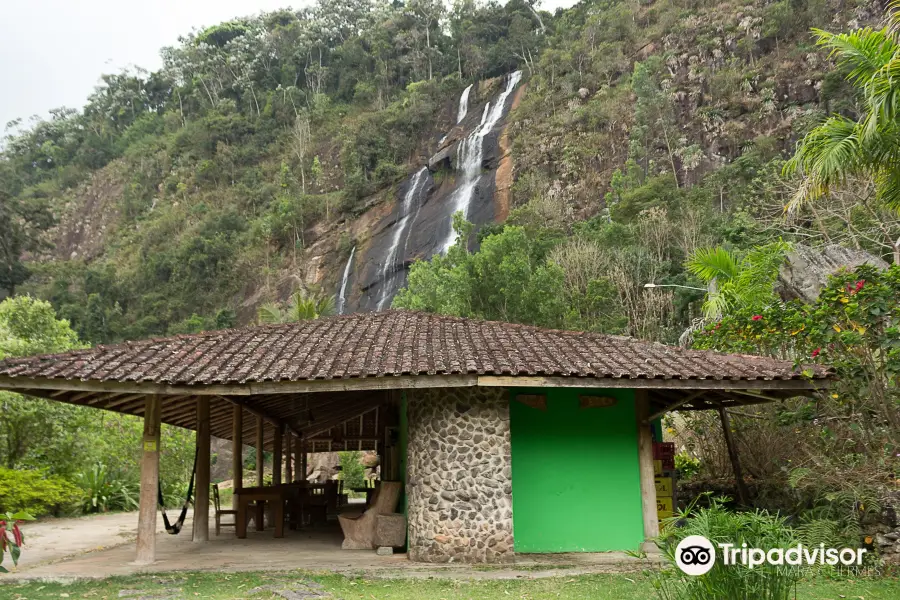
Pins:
x: 576, y: 486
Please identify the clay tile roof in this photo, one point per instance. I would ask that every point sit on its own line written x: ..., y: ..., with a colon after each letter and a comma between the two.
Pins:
x: 392, y: 343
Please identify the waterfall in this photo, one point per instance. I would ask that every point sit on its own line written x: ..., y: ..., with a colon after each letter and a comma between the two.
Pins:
x: 403, y: 220
x: 470, y: 152
x: 463, y: 104
x: 342, y: 295
x: 461, y: 112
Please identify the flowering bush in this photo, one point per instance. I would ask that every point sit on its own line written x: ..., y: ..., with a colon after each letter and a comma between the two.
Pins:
x: 854, y: 327
x: 852, y: 429
x: 9, y: 526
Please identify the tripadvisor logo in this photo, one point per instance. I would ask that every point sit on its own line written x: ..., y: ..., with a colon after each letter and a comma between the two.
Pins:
x: 696, y: 555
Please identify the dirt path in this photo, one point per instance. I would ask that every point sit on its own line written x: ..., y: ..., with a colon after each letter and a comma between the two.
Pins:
x: 55, y: 539
x: 103, y: 546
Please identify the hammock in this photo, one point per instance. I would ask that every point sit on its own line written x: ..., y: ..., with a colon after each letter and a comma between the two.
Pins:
x: 175, y: 528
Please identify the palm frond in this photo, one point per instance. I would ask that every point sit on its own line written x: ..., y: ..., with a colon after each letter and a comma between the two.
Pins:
x: 882, y: 94
x: 893, y: 17
x: 755, y: 284
x: 713, y: 264
x: 827, y: 155
x: 269, y: 313
x: 326, y: 306
x: 887, y: 183
x: 840, y: 148
x: 717, y: 304
x: 863, y: 51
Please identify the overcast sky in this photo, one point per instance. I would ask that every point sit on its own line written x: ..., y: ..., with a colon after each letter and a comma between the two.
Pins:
x: 52, y: 52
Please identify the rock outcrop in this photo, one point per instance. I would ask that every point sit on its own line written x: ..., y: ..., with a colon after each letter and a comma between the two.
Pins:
x: 807, y: 269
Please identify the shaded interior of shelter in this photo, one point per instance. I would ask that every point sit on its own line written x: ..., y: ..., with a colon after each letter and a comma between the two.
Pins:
x: 349, y: 420
x: 320, y: 422
x: 330, y: 421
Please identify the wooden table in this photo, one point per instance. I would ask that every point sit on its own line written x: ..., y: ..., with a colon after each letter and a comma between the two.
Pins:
x: 306, y: 498
x: 260, y: 495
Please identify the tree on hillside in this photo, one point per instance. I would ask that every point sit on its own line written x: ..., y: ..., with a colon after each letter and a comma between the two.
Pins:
x: 22, y: 220
x: 35, y: 432
x: 840, y: 147
x: 508, y: 279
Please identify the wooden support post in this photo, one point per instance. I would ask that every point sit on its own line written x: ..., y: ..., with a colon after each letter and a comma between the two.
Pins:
x: 645, y: 465
x: 201, y: 495
x: 146, y: 533
x: 301, y: 476
x: 260, y: 451
x: 237, y: 447
x: 260, y: 513
x: 743, y: 493
x: 288, y: 457
x: 277, y: 457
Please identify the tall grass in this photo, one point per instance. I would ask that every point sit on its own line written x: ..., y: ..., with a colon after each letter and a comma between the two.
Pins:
x: 759, y: 529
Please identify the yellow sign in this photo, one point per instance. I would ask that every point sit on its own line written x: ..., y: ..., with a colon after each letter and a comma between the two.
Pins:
x: 664, y: 504
x: 663, y: 514
x: 657, y: 467
x: 663, y: 486
x: 149, y: 445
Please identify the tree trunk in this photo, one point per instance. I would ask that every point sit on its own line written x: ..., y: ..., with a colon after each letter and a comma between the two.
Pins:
x: 743, y: 494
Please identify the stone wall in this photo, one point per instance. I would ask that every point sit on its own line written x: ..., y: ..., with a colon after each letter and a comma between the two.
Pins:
x: 459, y: 475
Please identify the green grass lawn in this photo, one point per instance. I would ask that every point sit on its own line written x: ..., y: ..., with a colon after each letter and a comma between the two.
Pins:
x: 243, y: 585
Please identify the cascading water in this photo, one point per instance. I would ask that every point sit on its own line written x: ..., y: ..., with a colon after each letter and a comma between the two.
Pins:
x: 342, y: 295
x: 389, y: 266
x: 463, y: 104
x: 461, y: 112
x: 470, y: 152
x: 416, y: 226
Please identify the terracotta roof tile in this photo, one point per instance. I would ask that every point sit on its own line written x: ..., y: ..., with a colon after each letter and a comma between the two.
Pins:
x: 391, y: 343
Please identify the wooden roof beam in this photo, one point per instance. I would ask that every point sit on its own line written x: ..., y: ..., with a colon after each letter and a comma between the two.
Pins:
x: 674, y: 405
x: 256, y: 412
x: 329, y: 422
x: 404, y: 382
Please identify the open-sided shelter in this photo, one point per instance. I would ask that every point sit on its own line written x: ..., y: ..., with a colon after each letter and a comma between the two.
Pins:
x: 509, y: 438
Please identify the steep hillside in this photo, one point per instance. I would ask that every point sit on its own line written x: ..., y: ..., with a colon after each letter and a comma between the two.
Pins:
x: 323, y: 150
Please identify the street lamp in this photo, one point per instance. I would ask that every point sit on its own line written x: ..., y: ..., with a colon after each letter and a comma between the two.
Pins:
x: 687, y: 287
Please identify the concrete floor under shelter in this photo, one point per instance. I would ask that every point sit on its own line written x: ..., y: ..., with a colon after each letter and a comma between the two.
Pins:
x: 103, y: 546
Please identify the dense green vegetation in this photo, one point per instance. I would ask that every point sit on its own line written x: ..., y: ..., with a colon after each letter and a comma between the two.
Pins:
x: 656, y: 142
x: 58, y: 458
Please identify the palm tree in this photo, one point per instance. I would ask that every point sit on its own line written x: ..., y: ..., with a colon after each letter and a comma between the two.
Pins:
x: 302, y: 305
x: 737, y: 282
x: 270, y: 312
x: 841, y: 148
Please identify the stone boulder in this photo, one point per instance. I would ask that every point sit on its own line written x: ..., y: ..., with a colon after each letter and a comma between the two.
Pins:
x: 390, y: 530
x: 807, y: 269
